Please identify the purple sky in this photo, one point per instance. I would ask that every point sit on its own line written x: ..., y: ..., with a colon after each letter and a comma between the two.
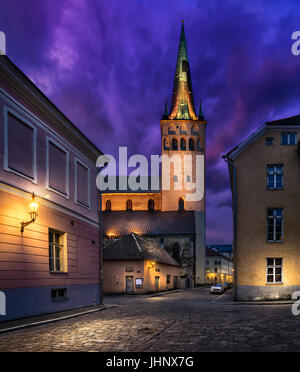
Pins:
x: 109, y: 65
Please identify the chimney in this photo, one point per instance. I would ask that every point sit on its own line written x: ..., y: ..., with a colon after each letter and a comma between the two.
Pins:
x: 2, y: 43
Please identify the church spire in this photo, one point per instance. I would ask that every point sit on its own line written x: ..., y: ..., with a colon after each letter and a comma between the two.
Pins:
x: 182, y: 100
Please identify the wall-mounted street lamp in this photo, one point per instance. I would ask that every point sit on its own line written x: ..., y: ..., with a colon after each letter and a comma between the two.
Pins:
x: 151, y: 265
x: 33, y: 207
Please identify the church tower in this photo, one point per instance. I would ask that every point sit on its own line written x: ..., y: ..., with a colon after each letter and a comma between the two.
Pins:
x: 183, y: 133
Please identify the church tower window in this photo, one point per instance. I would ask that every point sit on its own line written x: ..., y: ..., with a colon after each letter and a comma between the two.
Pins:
x: 181, y: 205
x: 129, y: 205
x: 174, y: 144
x: 183, y: 145
x: 191, y: 145
x: 108, y: 205
x: 151, y: 205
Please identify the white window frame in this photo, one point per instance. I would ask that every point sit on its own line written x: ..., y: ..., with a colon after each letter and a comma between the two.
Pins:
x: 274, y: 266
x: 275, y: 174
x: 274, y: 225
x: 63, y: 245
x: 48, y: 187
x: 78, y: 161
x: 6, y: 167
x: 289, y: 138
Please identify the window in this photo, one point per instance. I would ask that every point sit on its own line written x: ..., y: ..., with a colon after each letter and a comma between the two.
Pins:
x: 183, y: 144
x: 181, y: 205
x: 57, y: 252
x: 157, y: 270
x: 188, y: 178
x: 151, y: 205
x: 174, y: 144
x: 138, y: 283
x: 168, y: 279
x: 162, y: 242
x: 275, y: 225
x: 199, y: 144
x: 274, y: 270
x: 108, y: 205
x: 269, y: 141
x: 289, y: 138
x: 216, y: 270
x: 275, y: 177
x: 129, y: 205
x: 59, y: 294
x: 175, y: 178
x: 172, y: 129
x: 129, y: 269
x: 191, y: 144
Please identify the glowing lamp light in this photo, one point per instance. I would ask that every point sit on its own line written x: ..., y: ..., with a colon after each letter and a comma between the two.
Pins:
x: 32, y: 207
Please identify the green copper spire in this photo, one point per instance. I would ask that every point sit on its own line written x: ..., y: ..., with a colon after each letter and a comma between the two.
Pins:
x: 166, y: 114
x: 183, y: 102
x: 201, y: 116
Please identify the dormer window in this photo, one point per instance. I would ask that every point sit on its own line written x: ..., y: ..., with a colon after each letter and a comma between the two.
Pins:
x: 269, y: 141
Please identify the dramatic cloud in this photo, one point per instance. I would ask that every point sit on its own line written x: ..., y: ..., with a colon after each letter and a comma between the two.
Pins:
x: 110, y: 65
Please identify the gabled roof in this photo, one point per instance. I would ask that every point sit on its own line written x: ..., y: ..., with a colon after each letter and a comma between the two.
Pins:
x: 119, y: 223
x: 134, y: 247
x: 285, y: 123
x: 293, y: 120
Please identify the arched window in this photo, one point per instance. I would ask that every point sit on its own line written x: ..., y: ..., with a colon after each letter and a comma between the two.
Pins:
x: 183, y: 129
x: 167, y: 143
x: 182, y: 144
x: 195, y: 130
x: 181, y: 205
x: 151, y: 205
x: 174, y: 144
x: 108, y: 205
x: 129, y: 205
x: 172, y: 129
x: 191, y: 144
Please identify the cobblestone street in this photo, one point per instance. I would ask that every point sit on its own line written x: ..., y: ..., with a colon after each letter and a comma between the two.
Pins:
x: 187, y: 321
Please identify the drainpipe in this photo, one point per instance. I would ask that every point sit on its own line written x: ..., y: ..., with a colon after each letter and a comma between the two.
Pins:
x: 101, y: 239
x: 225, y: 157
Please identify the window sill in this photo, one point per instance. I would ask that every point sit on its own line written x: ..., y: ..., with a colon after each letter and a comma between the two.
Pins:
x: 275, y: 241
x: 59, y: 272
x: 59, y: 299
x: 275, y: 189
x: 279, y: 283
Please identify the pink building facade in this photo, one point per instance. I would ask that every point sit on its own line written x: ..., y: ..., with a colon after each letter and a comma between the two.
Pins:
x: 54, y: 264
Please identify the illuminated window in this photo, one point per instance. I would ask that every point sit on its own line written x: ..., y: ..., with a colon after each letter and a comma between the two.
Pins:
x: 129, y: 205
x: 57, y: 252
x: 108, y: 205
x: 275, y: 225
x: 274, y: 270
x: 138, y: 283
x: 289, y: 138
x: 275, y: 177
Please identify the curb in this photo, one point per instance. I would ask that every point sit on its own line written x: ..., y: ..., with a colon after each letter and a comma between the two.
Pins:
x: 48, y: 321
x: 268, y: 303
x: 165, y: 293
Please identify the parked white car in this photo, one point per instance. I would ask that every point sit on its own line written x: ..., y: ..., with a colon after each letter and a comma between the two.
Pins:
x: 217, y: 289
